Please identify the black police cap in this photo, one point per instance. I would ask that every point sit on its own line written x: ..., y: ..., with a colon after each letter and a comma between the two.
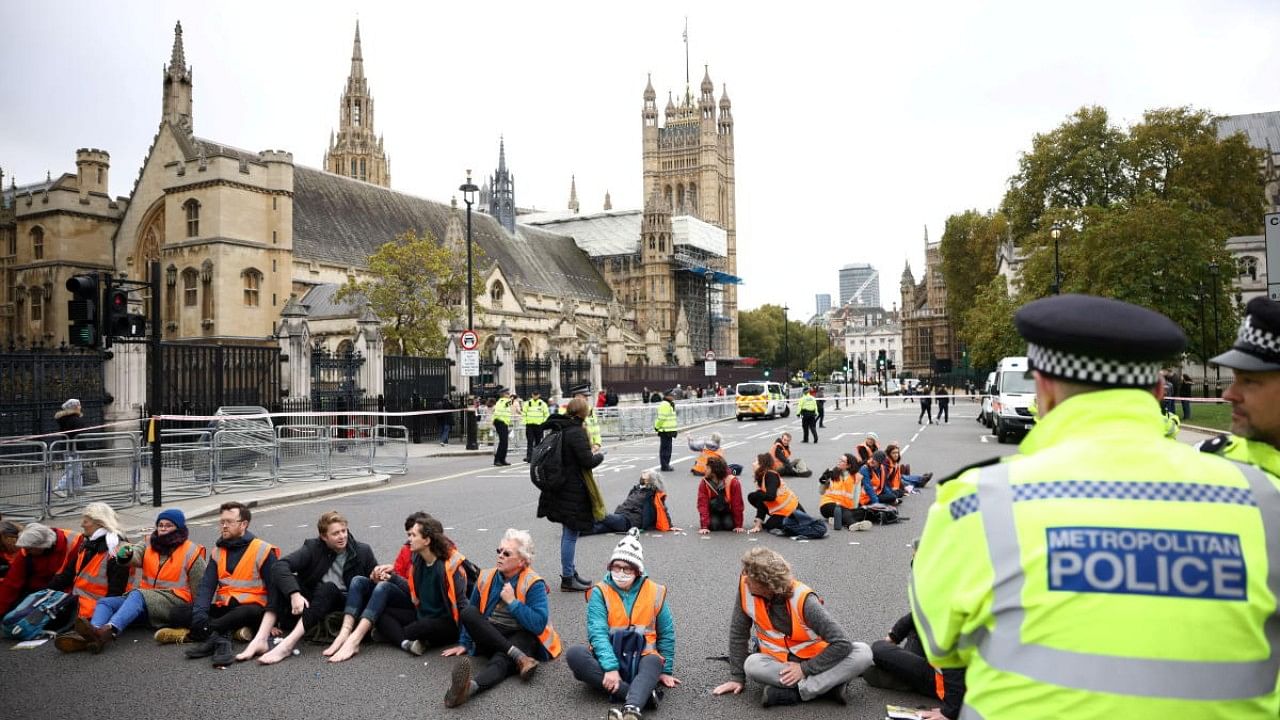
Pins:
x: 1098, y: 341
x: 1257, y: 345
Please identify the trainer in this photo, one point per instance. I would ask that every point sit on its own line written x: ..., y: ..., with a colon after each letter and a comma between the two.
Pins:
x: 1105, y: 570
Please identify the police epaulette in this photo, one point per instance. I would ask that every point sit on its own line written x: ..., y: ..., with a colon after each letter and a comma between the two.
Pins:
x: 971, y: 466
x: 1216, y: 445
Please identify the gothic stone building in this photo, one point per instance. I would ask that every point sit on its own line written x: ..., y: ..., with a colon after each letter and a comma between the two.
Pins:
x: 927, y: 336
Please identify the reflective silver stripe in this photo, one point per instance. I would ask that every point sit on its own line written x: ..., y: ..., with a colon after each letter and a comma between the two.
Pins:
x: 187, y: 558
x: 1004, y: 650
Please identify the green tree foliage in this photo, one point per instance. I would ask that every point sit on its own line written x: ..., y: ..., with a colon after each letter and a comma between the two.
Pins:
x: 990, y: 323
x: 416, y: 286
x: 969, y: 260
x: 760, y: 335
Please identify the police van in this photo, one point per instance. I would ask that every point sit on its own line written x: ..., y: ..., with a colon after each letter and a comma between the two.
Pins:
x: 1011, y: 396
x: 761, y: 399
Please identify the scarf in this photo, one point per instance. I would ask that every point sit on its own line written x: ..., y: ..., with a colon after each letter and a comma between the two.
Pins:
x: 166, y: 544
x: 113, y: 540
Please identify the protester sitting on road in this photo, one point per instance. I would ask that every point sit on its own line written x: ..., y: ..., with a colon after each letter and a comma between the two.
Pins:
x: 94, y: 573
x: 9, y: 532
x: 873, y: 478
x: 899, y: 473
x: 719, y: 499
x: 507, y: 620
x: 781, y: 454
x: 802, y: 653
x: 627, y: 610
x: 843, y: 496
x: 868, y: 447
x: 645, y: 507
x: 706, y: 450
x: 413, y: 612
x: 233, y: 593
x: 308, y: 584
x: 772, y: 499
x: 42, y: 551
x: 576, y: 505
x: 168, y: 570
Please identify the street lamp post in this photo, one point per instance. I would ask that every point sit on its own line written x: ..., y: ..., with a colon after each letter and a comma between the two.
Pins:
x: 786, y: 346
x: 469, y: 190
x: 1204, y: 343
x: 1056, y: 233
x: 1217, y: 370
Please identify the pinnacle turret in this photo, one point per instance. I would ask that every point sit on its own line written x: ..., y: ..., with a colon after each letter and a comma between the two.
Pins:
x: 573, y: 194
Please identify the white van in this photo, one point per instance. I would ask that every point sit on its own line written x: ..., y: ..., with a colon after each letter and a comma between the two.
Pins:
x: 1011, y: 396
x: 984, y: 415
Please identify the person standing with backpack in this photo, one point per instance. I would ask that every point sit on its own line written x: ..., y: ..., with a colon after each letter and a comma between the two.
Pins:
x: 571, y: 498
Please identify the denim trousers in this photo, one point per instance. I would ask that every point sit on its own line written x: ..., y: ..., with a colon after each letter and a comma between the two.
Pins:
x: 568, y: 547
x: 120, y: 611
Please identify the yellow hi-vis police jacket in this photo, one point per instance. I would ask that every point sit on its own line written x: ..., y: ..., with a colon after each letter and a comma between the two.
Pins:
x: 1105, y: 572
x: 1254, y: 452
x: 535, y: 412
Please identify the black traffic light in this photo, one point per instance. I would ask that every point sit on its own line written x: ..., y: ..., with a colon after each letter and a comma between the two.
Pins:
x: 82, y: 310
x: 118, y: 320
x: 862, y: 366
x: 880, y: 360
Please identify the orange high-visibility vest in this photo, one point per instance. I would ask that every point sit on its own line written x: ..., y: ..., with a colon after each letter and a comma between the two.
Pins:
x: 877, y: 479
x: 700, y: 465
x: 784, y: 503
x: 893, y: 475
x: 939, y: 688
x: 802, y: 642
x: 840, y: 492
x: 90, y: 580
x: 246, y: 585
x: 549, y: 638
x: 451, y: 565
x: 786, y: 451
x: 662, y: 521
x: 644, y: 611
x: 170, y: 573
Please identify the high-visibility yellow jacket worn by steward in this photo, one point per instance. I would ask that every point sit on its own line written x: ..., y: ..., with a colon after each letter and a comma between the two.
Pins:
x: 535, y: 412
x: 808, y: 403
x: 666, y: 420
x: 592, y: 424
x: 1105, y: 572
x: 502, y: 410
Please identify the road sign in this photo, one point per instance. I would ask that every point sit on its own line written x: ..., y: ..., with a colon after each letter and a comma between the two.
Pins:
x: 1272, y: 224
x: 709, y: 367
x: 469, y: 360
x: 710, y: 356
x: 469, y: 340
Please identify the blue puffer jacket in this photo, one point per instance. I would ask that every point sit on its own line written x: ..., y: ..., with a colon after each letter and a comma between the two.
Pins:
x: 531, y: 614
x: 598, y: 626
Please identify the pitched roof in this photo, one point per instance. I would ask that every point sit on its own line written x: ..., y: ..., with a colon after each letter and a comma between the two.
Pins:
x: 1262, y: 129
x: 322, y: 304
x: 343, y: 221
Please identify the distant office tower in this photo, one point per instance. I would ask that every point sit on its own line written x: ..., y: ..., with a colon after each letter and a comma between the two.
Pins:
x: 824, y: 302
x: 859, y: 285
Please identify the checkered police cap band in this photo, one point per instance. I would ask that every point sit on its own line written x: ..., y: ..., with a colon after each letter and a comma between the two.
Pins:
x: 1256, y: 339
x: 1093, y: 371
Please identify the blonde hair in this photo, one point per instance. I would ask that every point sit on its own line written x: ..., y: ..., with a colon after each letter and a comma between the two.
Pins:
x: 769, y: 569
x: 102, y: 514
x: 578, y: 406
x: 523, y: 541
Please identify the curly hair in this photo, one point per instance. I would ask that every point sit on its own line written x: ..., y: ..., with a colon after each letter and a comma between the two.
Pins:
x: 523, y: 541
x: 717, y: 468
x: 768, y: 568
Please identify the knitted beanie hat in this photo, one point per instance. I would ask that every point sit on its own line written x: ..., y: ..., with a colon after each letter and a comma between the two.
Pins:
x: 629, y: 550
x: 173, y: 515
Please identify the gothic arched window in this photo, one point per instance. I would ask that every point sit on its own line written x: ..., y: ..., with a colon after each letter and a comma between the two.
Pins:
x: 496, y: 292
x: 190, y: 295
x: 193, y: 217
x: 252, y: 287
x: 37, y: 243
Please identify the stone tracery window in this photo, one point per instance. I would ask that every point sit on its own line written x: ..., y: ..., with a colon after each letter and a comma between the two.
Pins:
x: 190, y: 295
x: 192, y: 208
x: 37, y: 243
x: 496, y: 292
x: 252, y: 287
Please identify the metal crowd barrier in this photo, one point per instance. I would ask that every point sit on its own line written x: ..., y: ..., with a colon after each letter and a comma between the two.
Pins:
x: 24, y: 471
x: 94, y: 467
x: 302, y: 453
x: 350, y: 450
x: 187, y: 461
x: 390, y: 449
x: 243, y: 457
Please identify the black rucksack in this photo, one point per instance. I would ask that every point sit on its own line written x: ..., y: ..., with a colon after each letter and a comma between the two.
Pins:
x: 546, y: 462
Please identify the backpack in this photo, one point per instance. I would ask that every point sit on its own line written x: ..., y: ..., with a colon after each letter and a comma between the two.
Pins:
x: 40, y: 609
x: 546, y: 462
x: 628, y: 647
x: 882, y: 514
x: 472, y: 571
x: 804, y: 525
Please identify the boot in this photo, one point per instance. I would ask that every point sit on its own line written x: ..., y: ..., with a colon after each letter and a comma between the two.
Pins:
x: 102, y: 637
x: 223, y: 653
x: 204, y: 649
x: 631, y: 712
x: 924, y: 479
x: 166, y: 636
x: 459, y: 684
x: 774, y: 696
x: 836, y: 695
x: 571, y: 583
x: 71, y: 642
x: 526, y: 665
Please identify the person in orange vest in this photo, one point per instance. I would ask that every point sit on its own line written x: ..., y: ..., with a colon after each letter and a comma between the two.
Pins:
x: 92, y: 572
x: 719, y: 499
x: 802, y: 652
x: 627, y: 610
x: 900, y: 478
x: 233, y: 593
x: 167, y: 573
x: 772, y: 499
x: 875, y: 477
x: 781, y: 453
x: 868, y: 447
x: 645, y: 507
x: 706, y: 450
x: 414, y: 612
x: 42, y: 551
x: 508, y: 619
x: 843, y: 496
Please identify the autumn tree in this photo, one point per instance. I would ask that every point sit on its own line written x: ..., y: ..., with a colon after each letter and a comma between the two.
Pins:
x: 416, y: 285
x: 968, y: 249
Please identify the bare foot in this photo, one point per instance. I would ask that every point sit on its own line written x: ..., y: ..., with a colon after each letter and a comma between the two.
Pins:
x: 336, y: 644
x: 254, y: 649
x: 348, y: 651
x: 280, y: 652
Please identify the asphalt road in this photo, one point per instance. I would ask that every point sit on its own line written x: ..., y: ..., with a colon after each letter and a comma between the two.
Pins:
x: 861, y: 576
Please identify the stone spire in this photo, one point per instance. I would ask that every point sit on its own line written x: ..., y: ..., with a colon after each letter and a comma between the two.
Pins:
x: 178, y: 60
x: 177, y: 86
x: 608, y: 201
x: 503, y: 188
x: 357, y: 57
x: 573, y: 194
x: 357, y: 151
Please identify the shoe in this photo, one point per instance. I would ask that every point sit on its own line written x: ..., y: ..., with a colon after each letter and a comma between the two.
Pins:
x: 86, y: 630
x: 903, y: 518
x: 774, y: 696
x: 166, y: 636
x: 778, y: 532
x: 667, y: 469
x: 71, y: 642
x: 59, y: 493
x: 526, y: 665
x: 417, y: 648
x: 500, y: 464
x: 223, y: 653
x: 630, y: 712
x: 459, y: 684
x: 836, y: 695
x: 573, y: 584
x: 614, y: 714
x: 104, y: 635
x: 204, y: 649
x: 655, y: 697
x: 860, y: 526
x: 924, y: 479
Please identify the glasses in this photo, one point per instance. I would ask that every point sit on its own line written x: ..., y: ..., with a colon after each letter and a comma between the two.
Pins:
x: 229, y: 523
x: 503, y: 552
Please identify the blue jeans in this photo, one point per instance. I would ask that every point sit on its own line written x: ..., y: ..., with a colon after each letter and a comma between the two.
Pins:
x: 444, y: 434
x: 568, y: 547
x: 382, y: 595
x: 913, y: 480
x: 584, y: 666
x: 119, y: 611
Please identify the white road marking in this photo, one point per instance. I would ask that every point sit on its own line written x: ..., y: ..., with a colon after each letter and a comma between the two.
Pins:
x: 913, y: 437
x: 983, y: 438
x: 906, y: 447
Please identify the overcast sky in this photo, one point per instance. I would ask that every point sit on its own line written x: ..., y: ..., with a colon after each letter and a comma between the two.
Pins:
x: 857, y: 124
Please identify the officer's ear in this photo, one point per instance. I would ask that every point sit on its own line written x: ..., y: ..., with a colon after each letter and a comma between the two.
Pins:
x: 1158, y: 390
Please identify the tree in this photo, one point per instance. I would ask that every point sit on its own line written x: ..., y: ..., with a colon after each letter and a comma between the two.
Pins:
x: 968, y: 250
x: 416, y: 286
x: 760, y: 335
x: 990, y: 325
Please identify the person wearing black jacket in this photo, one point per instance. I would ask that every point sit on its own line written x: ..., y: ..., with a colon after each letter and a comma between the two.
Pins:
x: 900, y: 664
x: 71, y: 423
x: 308, y: 584
x: 576, y: 503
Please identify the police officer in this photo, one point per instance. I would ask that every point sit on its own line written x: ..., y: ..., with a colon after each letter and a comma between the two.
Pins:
x: 502, y: 425
x: 1254, y: 394
x: 808, y: 409
x: 665, y: 425
x: 1105, y: 571
x: 535, y: 413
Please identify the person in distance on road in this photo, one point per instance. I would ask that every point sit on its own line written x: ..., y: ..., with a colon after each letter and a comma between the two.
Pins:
x: 309, y: 583
x: 508, y: 620
x: 874, y: 479
x: 843, y: 496
x: 665, y: 425
x: 1254, y: 392
x: 807, y: 406
x: 576, y: 505
x: 706, y: 450
x: 502, y: 425
x: 535, y: 412
x: 868, y: 447
x: 781, y: 455
x: 802, y: 653
x: 719, y: 499
x: 926, y: 404
x: 645, y: 507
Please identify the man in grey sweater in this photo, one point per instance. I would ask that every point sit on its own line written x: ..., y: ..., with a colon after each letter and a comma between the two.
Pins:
x: 801, y: 653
